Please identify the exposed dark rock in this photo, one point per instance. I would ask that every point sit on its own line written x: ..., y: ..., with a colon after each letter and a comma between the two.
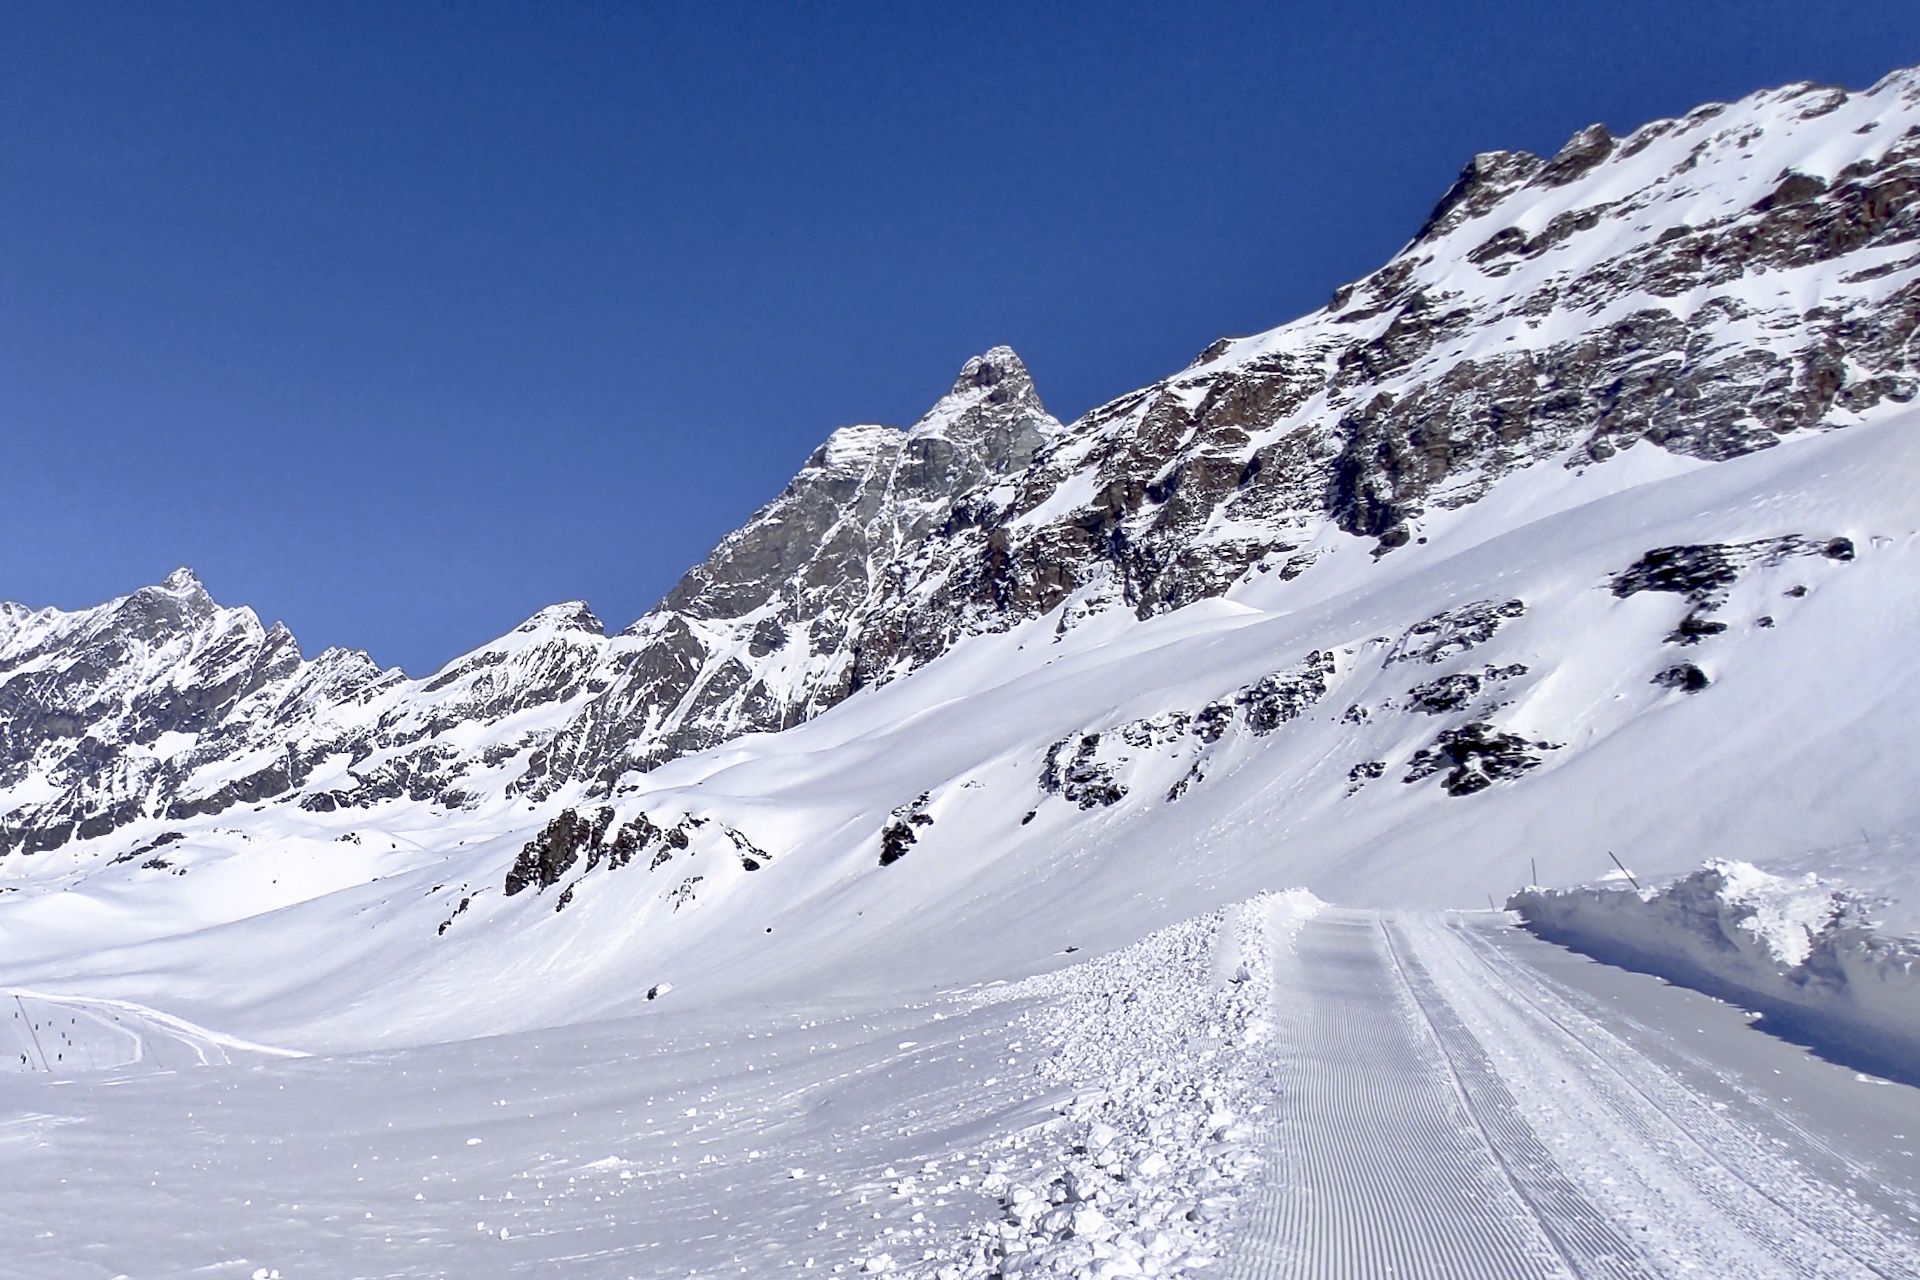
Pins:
x: 1683, y: 676
x: 1699, y: 572
x: 1074, y: 771
x: 1476, y: 756
x: 1448, y: 693
x: 1283, y: 696
x: 685, y: 893
x: 1703, y: 572
x: 1453, y: 631
x: 901, y: 831
x: 447, y: 924
x: 1211, y: 721
x: 1574, y: 161
x: 1363, y: 773
x: 553, y: 852
x: 1694, y: 628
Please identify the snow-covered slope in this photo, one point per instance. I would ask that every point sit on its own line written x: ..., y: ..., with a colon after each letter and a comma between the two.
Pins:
x: 1582, y: 524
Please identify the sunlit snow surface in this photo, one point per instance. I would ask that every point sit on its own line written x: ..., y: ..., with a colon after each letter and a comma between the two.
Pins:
x: 824, y: 1011
x: 1061, y: 1035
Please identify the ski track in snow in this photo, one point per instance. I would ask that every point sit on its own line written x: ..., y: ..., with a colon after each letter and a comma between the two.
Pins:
x: 1749, y: 1195
x: 1378, y: 1170
x: 1444, y: 1113
x: 62, y: 1034
x: 1275, y: 1090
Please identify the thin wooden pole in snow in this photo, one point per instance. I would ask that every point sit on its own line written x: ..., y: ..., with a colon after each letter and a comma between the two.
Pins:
x: 1623, y: 870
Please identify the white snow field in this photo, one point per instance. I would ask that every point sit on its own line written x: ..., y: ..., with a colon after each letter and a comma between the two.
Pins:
x: 1281, y: 1089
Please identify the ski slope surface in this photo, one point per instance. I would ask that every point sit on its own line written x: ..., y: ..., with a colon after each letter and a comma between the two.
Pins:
x: 1280, y: 1089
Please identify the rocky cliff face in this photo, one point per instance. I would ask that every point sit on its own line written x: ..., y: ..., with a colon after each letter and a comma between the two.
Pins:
x: 775, y: 625
x: 1707, y: 286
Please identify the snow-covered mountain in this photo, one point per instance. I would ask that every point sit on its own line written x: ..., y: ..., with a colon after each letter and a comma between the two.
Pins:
x: 1583, y: 514
x: 897, y: 897
x: 1707, y: 286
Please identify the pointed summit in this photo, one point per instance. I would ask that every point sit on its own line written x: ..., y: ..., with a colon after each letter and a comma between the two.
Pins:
x: 992, y: 408
x: 183, y: 582
x: 570, y: 615
x: 177, y: 599
x: 1000, y: 373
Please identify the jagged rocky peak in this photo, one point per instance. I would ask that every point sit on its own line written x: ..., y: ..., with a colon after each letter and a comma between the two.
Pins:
x: 570, y: 615
x: 993, y: 411
x: 998, y: 377
x: 178, y: 600
x: 991, y: 422
x: 776, y: 624
x: 1583, y: 151
x: 1487, y: 179
x: 871, y: 491
x: 183, y: 582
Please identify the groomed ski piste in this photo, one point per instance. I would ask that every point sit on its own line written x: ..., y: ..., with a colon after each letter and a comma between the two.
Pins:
x: 62, y: 1034
x: 1280, y: 1088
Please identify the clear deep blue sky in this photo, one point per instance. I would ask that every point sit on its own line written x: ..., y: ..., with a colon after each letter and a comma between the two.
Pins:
x: 398, y: 322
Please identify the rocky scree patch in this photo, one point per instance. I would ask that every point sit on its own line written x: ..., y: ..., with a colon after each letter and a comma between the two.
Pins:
x: 547, y: 858
x: 1085, y: 767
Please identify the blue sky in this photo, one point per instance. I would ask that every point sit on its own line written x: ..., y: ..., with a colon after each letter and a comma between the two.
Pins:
x: 400, y: 322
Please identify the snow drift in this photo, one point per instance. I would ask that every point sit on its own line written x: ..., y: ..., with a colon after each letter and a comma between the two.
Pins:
x: 1805, y: 951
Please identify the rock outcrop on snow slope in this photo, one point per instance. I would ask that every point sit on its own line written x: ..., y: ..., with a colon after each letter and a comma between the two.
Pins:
x: 1708, y: 286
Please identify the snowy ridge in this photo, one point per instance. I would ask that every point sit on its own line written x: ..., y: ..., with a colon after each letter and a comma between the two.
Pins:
x: 1704, y: 288
x: 1807, y: 949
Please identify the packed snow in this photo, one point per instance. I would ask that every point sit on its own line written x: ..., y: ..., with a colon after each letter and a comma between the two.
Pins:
x: 1806, y: 949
